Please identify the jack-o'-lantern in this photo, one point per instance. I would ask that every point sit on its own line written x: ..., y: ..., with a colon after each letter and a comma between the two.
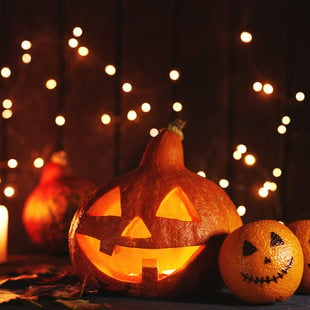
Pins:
x: 301, y: 228
x: 261, y: 262
x: 155, y: 231
x: 49, y: 208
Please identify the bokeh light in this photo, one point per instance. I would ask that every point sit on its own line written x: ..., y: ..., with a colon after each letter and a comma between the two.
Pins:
x: 246, y: 37
x: 106, y: 119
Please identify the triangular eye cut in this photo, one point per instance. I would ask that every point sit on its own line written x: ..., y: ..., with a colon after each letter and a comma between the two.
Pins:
x: 176, y: 205
x: 107, y: 205
x: 248, y: 248
x: 275, y: 239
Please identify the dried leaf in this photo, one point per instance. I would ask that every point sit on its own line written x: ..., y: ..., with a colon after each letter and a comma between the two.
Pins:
x: 79, y: 304
x: 6, y: 296
x: 17, y: 278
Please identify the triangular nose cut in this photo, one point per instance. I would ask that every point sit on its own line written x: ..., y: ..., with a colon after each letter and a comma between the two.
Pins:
x: 267, y: 260
x: 136, y: 229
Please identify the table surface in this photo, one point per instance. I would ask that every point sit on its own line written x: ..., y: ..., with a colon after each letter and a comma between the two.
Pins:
x: 51, y: 271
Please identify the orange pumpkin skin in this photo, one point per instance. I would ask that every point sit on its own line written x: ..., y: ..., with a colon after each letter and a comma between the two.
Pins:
x: 175, y: 253
x: 49, y: 208
x: 301, y: 228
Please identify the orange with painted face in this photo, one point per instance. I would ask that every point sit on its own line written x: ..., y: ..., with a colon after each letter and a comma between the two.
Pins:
x: 301, y: 229
x: 261, y: 262
x: 155, y: 231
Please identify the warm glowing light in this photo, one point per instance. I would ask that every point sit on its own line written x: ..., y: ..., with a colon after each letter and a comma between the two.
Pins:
x: 224, y: 183
x: 110, y: 70
x: 246, y: 37
x: 73, y: 42
x: 51, y: 84
x: 276, y: 172
x: 174, y: 75
x: 60, y: 120
x: 263, y: 192
x: 273, y: 186
x: 131, y: 115
x: 241, y: 148
x: 127, y: 87
x: 9, y: 191
x: 268, y: 89
x: 83, y: 51
x: 145, y: 107
x: 300, y: 96
x: 237, y: 155
x: 286, y: 120
x: 6, y: 114
x: 202, y: 174
x: 5, y: 72
x: 177, y: 106
x: 12, y: 163
x: 267, y: 185
x: 38, y: 162
x: 26, y: 45
x: 26, y: 58
x: 106, y: 118
x: 241, y: 210
x: 250, y: 160
x: 154, y: 132
x: 77, y: 31
x: 281, y: 129
x: 257, y: 86
x: 7, y: 103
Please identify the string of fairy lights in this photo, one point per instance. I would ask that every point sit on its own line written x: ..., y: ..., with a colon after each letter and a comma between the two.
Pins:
x: 240, y: 153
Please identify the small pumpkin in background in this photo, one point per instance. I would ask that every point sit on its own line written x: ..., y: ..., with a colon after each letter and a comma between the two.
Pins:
x: 49, y: 208
x: 301, y: 228
x: 155, y: 231
x: 261, y: 262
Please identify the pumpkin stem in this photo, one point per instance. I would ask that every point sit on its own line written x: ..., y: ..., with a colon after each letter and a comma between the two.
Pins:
x: 176, y: 126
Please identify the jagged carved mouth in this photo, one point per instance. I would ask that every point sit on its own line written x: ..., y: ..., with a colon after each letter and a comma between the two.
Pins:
x: 261, y: 280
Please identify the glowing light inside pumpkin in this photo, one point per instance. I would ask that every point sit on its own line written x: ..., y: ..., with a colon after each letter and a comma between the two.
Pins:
x: 38, y: 162
x: 136, y: 229
x: 246, y: 37
x: 110, y: 70
x: 126, y: 264
x: 5, y: 72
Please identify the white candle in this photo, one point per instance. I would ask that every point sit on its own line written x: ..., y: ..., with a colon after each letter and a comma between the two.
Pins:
x: 4, y: 222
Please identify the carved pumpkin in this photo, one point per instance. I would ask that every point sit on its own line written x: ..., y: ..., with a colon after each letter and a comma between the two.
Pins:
x: 49, y: 208
x: 301, y: 229
x: 155, y: 231
x: 261, y: 262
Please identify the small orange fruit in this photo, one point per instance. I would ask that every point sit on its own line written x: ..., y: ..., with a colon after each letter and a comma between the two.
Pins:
x: 261, y: 262
x: 301, y: 229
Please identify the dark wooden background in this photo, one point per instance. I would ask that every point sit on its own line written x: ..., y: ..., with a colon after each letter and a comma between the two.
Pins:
x: 146, y: 39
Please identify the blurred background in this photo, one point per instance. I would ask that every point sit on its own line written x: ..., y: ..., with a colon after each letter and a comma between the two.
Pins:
x: 98, y: 78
